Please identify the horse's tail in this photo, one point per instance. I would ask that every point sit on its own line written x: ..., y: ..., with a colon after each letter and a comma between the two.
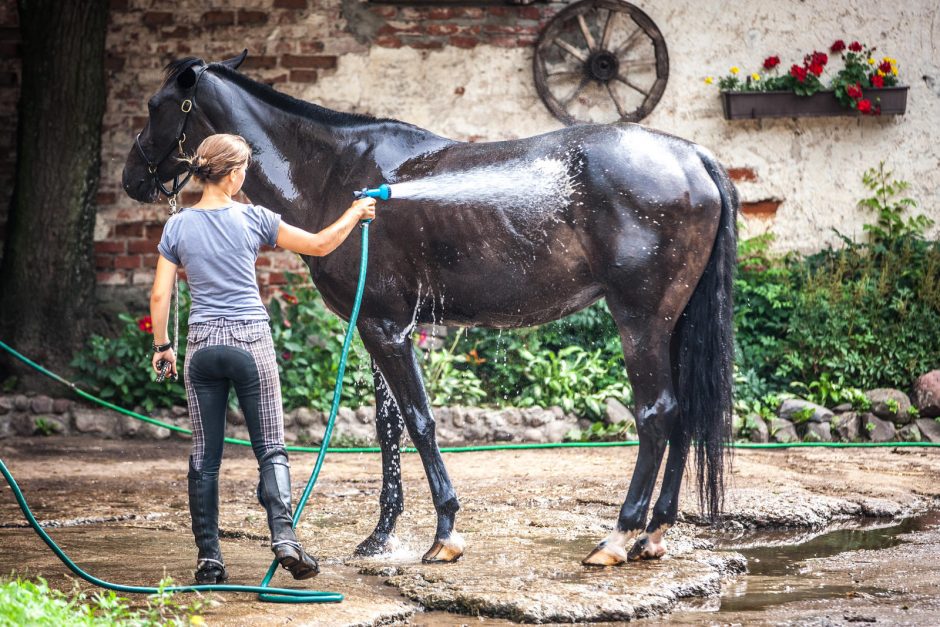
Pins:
x: 706, y: 350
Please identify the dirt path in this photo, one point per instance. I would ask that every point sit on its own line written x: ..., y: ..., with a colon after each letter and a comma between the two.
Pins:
x: 528, y: 517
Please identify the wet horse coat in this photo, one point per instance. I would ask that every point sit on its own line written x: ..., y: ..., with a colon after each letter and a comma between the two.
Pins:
x: 641, y: 218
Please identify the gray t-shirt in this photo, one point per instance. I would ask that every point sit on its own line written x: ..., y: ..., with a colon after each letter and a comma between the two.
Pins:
x: 218, y: 249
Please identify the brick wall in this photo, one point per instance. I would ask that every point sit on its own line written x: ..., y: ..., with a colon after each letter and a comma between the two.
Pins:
x: 292, y: 43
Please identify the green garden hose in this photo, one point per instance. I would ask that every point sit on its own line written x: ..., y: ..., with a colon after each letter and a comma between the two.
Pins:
x: 285, y: 595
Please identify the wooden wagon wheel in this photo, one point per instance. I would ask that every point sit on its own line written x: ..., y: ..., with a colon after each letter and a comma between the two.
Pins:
x: 601, y: 61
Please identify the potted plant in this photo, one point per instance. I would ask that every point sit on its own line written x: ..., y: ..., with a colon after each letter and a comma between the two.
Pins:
x: 863, y: 86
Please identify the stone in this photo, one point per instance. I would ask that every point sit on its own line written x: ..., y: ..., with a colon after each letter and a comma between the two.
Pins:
x: 148, y: 431
x: 234, y: 416
x: 96, y: 422
x: 130, y: 426
x: 556, y: 431
x: 21, y: 423
x: 927, y: 394
x: 41, y: 405
x: 537, y: 416
x: 345, y: 416
x: 759, y: 432
x: 847, y: 426
x: 179, y: 410
x: 616, y: 412
x: 513, y: 416
x: 530, y: 435
x: 909, y: 433
x: 6, y: 429
x: 890, y: 404
x: 61, y: 405
x: 6, y: 404
x: 817, y: 432
x: 21, y: 402
x: 929, y: 429
x: 456, y: 417
x: 306, y: 417
x: 842, y: 408
x: 288, y: 420
x: 783, y: 431
x: 878, y: 430
x: 366, y: 414
x: 799, y: 411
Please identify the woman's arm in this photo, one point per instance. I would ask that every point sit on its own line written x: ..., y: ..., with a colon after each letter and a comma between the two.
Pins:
x: 326, y: 241
x: 160, y: 310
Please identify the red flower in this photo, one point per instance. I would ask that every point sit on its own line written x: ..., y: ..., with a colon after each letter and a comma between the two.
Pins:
x: 771, y: 62
x: 799, y: 73
x: 816, y: 69
x: 864, y: 105
x: 145, y: 324
x: 819, y: 58
x: 290, y: 298
x: 286, y: 355
x: 837, y: 46
x: 855, y: 46
x: 854, y: 91
x: 877, y: 81
x: 885, y: 67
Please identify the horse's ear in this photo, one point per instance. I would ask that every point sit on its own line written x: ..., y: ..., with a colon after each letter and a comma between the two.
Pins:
x: 187, y: 78
x: 234, y: 62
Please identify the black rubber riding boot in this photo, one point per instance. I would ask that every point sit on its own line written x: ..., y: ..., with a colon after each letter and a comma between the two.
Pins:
x: 204, y: 509
x: 274, y: 495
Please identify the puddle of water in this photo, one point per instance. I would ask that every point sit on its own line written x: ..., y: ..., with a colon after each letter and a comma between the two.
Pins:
x: 778, y: 571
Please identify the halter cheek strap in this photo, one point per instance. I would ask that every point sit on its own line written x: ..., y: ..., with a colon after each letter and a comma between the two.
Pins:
x: 186, y: 107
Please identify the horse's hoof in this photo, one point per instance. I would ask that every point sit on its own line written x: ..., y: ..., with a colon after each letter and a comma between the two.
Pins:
x: 376, y: 545
x: 610, y: 552
x: 445, y: 551
x: 647, y: 548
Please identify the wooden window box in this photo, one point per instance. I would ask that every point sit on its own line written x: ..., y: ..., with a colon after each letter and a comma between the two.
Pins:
x: 745, y: 105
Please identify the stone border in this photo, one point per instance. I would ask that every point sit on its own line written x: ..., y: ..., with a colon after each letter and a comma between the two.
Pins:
x: 22, y: 415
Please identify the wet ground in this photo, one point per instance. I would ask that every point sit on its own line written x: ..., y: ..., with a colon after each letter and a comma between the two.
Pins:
x: 863, y: 545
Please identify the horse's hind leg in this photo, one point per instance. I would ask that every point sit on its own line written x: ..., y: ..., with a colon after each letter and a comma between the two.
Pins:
x: 650, y: 544
x: 647, y: 356
x: 390, y: 347
x: 388, y: 428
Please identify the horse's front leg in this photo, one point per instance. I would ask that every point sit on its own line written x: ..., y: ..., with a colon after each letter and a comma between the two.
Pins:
x: 390, y: 347
x: 388, y: 428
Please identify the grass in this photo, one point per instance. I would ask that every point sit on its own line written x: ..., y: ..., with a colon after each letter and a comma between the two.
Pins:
x: 34, y: 603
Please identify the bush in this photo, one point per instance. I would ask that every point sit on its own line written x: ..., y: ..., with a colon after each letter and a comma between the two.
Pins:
x: 118, y: 368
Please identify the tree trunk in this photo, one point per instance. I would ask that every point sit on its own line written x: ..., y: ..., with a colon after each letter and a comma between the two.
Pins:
x: 47, y: 276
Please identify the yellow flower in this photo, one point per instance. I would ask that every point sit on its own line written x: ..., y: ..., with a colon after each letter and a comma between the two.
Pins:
x: 880, y: 73
x: 871, y: 61
x: 755, y: 76
x: 197, y: 620
x: 709, y: 80
x: 735, y: 69
x: 894, y: 70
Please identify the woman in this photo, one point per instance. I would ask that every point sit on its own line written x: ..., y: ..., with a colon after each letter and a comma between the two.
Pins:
x: 217, y: 241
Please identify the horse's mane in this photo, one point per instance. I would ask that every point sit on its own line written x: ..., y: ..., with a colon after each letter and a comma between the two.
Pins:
x: 174, y: 68
x: 293, y: 105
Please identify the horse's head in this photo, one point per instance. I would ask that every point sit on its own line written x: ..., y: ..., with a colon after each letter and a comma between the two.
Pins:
x: 176, y: 124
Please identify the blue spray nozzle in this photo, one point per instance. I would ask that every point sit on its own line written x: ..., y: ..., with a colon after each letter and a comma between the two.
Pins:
x: 382, y: 192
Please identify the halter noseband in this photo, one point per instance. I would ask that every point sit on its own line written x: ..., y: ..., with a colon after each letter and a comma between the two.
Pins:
x: 186, y: 107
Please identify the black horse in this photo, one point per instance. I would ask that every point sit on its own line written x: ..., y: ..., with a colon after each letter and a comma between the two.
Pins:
x: 640, y: 218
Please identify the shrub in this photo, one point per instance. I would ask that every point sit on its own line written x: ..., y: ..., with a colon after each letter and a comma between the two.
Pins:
x: 118, y: 368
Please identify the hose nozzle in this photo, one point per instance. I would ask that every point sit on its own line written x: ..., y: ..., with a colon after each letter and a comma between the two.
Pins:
x: 382, y: 192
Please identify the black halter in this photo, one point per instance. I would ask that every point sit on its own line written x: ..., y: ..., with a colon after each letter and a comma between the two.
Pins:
x: 186, y: 107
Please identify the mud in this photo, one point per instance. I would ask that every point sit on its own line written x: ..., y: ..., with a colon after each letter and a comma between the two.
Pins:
x: 528, y: 518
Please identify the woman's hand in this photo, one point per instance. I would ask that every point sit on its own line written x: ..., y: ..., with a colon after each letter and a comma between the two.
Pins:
x: 364, y: 208
x: 166, y: 355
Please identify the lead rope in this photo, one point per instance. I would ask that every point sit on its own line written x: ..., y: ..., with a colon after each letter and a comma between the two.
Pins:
x: 176, y: 287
